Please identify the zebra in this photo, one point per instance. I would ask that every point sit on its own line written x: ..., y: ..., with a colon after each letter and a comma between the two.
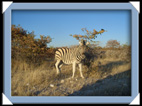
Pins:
x: 72, y: 56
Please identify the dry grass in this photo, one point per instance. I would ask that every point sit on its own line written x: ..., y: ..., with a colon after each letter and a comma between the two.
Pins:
x: 105, y: 76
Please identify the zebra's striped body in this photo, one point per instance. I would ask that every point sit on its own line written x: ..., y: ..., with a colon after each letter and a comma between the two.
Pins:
x: 71, y: 56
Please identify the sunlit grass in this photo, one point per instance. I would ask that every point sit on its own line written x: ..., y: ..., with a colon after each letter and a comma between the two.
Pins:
x: 105, y: 76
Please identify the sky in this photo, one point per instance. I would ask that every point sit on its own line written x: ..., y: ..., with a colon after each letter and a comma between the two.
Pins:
x: 59, y: 24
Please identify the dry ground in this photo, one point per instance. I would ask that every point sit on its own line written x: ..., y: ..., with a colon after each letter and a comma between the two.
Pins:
x: 105, y: 77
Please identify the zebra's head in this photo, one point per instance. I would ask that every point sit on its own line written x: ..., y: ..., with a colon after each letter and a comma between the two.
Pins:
x: 83, y: 47
x: 83, y: 43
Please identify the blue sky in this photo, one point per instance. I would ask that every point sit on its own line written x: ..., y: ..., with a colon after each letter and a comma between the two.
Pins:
x: 59, y: 24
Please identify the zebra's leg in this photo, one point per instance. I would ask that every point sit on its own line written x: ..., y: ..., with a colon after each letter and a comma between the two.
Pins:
x: 80, y: 69
x: 74, y: 69
x: 58, y: 63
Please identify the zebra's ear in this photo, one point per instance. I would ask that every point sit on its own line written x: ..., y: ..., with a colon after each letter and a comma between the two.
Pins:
x: 87, y: 43
x: 80, y: 43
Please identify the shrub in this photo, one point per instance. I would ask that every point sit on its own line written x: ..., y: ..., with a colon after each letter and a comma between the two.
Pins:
x: 25, y: 46
x: 112, y: 44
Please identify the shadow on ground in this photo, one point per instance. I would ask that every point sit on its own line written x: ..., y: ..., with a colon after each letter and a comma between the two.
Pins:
x: 117, y: 85
x: 107, y: 69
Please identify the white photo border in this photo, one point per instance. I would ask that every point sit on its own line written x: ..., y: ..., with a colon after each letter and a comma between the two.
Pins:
x: 71, y: 99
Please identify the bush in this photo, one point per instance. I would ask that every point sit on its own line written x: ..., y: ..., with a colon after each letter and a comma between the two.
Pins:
x: 113, y: 44
x: 124, y: 53
x: 25, y: 46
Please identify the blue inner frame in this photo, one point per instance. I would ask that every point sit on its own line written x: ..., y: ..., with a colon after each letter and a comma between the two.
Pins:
x: 71, y: 99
